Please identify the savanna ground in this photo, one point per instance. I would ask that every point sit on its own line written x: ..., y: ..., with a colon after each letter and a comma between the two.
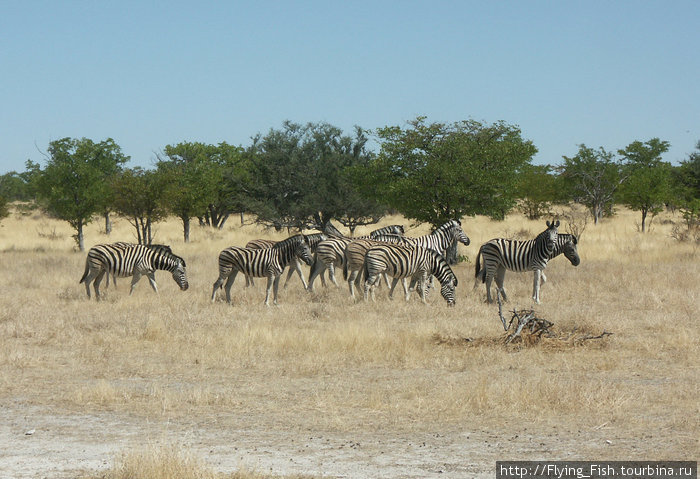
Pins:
x: 171, y: 385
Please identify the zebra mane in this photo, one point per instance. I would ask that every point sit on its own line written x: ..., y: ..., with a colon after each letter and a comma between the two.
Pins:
x: 296, y: 239
x: 447, y: 226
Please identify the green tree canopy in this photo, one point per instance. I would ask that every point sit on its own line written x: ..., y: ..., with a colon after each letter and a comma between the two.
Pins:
x: 437, y: 172
x: 648, y: 179
x: 298, y: 177
x: 686, y: 179
x: 538, y: 189
x: 74, y: 184
x: 140, y: 197
x: 192, y: 181
x: 592, y: 178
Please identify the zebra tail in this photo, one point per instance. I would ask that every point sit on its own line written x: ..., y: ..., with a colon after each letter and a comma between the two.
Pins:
x: 87, y: 270
x: 345, y: 270
x: 477, y: 268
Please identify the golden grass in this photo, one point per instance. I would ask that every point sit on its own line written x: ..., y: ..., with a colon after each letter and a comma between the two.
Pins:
x: 321, y: 362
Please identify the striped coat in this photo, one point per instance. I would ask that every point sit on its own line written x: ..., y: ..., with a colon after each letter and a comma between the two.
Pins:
x: 268, y: 263
x: 502, y: 254
x: 124, y: 259
x: 415, y: 262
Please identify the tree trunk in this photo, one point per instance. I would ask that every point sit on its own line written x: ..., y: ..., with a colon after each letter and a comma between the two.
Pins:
x: 81, y: 239
x: 186, y: 227
x: 108, y: 224
x: 644, y: 220
x: 242, y: 218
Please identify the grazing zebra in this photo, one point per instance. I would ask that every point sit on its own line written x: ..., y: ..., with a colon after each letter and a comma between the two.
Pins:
x: 331, y: 253
x: 566, y: 243
x: 503, y: 254
x: 131, y: 260
x: 413, y: 262
x: 268, y: 263
x: 314, y: 240
x: 124, y: 244
x: 354, y: 257
x: 438, y: 241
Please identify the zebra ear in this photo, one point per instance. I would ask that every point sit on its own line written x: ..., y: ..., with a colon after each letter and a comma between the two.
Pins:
x: 556, y: 224
x: 548, y: 224
x: 574, y: 239
x: 456, y: 282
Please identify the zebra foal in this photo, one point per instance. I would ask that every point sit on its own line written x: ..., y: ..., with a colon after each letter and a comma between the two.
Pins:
x: 502, y: 254
x: 124, y: 259
x: 260, y: 263
x: 413, y: 262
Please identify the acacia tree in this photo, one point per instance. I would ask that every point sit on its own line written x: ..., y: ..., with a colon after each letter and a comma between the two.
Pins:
x: 192, y: 181
x: 592, y: 178
x: 437, y: 172
x: 298, y: 177
x: 74, y: 184
x: 648, y: 179
x: 686, y: 179
x: 538, y: 190
x: 139, y: 197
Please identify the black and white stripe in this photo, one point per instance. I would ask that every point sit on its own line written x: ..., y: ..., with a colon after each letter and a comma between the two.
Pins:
x: 415, y: 262
x: 260, y: 263
x: 314, y: 240
x: 125, y: 259
x: 330, y: 253
x: 124, y: 244
x: 355, y: 252
x: 502, y: 254
x: 441, y: 239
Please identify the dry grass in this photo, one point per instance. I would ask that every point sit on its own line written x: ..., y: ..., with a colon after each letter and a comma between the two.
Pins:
x: 320, y: 362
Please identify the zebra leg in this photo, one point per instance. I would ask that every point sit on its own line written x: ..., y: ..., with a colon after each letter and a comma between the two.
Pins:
x: 152, y: 279
x: 536, y: 286
x: 96, y: 284
x: 368, y: 285
x: 352, y: 277
x: 134, y: 280
x: 217, y: 285
x: 323, y: 278
x: 500, y: 277
x: 229, y: 283
x: 423, y: 286
x: 393, y: 286
x: 273, y: 282
x: 318, y: 267
x: 331, y: 274
x: 406, y: 288
x: 488, y: 279
x: 249, y: 281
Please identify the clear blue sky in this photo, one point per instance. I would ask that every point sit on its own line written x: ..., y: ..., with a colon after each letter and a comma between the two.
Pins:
x: 150, y: 73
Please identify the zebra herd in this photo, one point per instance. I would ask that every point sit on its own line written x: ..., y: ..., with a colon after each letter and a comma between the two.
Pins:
x: 384, y: 252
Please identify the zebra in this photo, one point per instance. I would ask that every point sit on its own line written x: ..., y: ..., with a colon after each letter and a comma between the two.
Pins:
x: 124, y: 244
x: 413, y: 262
x: 438, y: 241
x: 354, y: 257
x: 124, y: 259
x: 502, y: 254
x: 331, y: 253
x: 567, y: 244
x: 268, y: 263
x: 314, y: 240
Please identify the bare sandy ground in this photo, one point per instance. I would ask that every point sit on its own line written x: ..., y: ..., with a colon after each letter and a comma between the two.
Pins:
x: 65, y: 445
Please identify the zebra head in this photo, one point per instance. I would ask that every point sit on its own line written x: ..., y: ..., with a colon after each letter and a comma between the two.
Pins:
x: 180, y: 274
x: 454, y: 227
x: 571, y: 251
x: 447, y: 290
x: 302, y: 250
x: 550, y: 236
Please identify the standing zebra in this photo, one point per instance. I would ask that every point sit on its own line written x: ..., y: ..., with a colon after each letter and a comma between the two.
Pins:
x: 131, y: 260
x: 124, y: 244
x: 314, y: 240
x: 438, y: 241
x: 503, y: 254
x: 259, y: 263
x: 331, y: 252
x: 413, y: 262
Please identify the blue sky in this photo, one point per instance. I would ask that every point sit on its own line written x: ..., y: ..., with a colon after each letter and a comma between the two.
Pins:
x: 149, y: 73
